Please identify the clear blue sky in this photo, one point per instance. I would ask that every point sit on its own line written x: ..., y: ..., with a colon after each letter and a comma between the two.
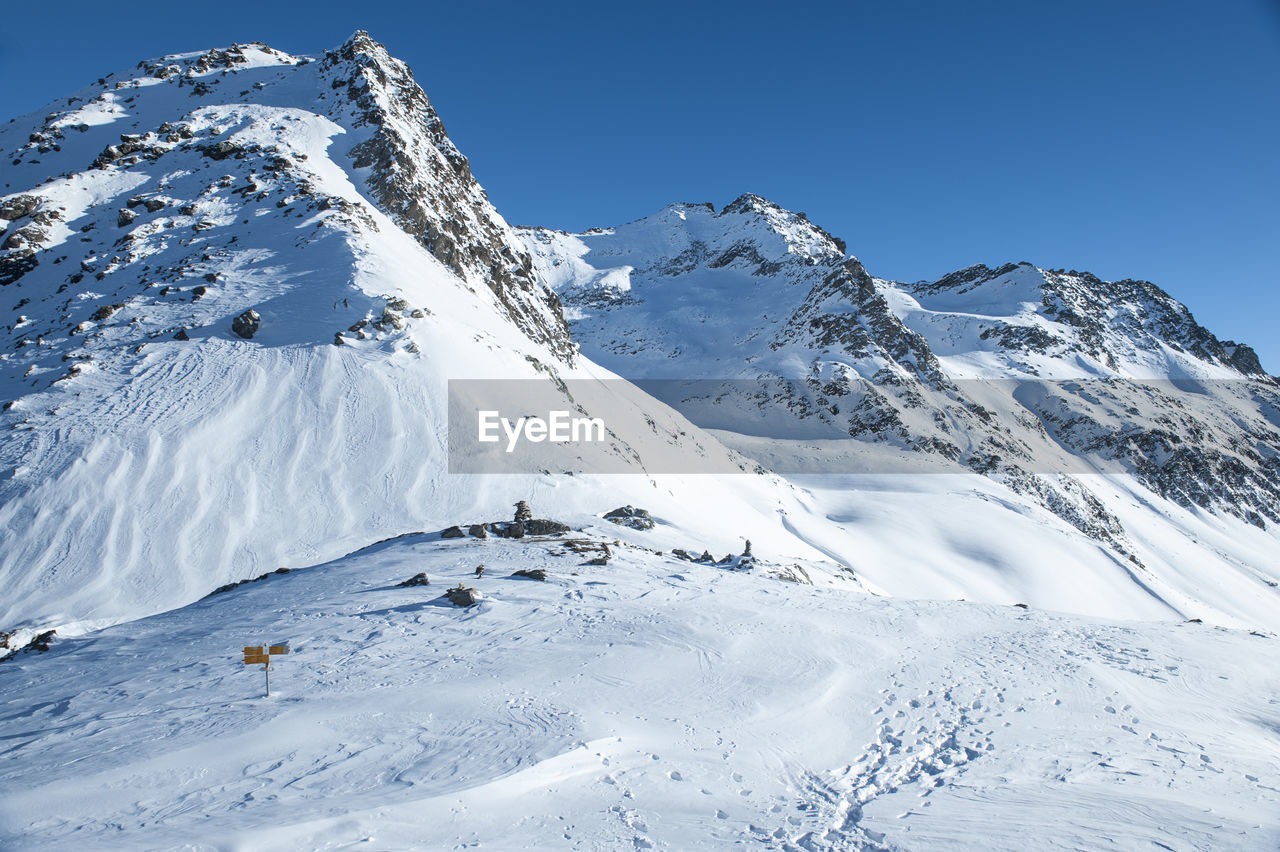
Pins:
x: 1132, y: 138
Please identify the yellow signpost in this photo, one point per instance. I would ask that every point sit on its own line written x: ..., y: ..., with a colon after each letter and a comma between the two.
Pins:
x: 261, y: 655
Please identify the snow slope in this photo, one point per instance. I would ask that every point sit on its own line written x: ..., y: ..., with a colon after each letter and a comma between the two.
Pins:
x: 647, y: 703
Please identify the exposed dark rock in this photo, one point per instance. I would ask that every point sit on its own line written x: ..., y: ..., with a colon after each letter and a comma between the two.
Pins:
x: 247, y: 324
x: 542, y: 526
x: 18, y: 206
x: 523, y: 512
x: 42, y: 640
x: 105, y: 312
x: 16, y: 264
x: 452, y: 532
x: 39, y: 644
x: 583, y: 545
x: 630, y: 516
x: 419, y: 579
x: 462, y: 596
x: 182, y: 335
x: 477, y: 531
x: 531, y: 573
x: 1243, y: 358
x: 30, y: 235
x: 220, y: 150
x: 229, y: 586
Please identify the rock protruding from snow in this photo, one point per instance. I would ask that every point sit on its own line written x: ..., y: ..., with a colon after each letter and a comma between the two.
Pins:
x: 461, y: 595
x: 246, y: 325
x: 630, y: 516
x: 424, y: 183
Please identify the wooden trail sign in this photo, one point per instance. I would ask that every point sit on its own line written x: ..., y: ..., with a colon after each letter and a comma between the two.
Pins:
x: 261, y: 655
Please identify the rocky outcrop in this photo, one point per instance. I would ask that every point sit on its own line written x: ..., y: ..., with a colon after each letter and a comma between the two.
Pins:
x: 424, y: 183
x: 630, y: 516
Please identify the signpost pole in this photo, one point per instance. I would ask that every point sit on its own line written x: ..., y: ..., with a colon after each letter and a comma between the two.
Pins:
x: 255, y: 654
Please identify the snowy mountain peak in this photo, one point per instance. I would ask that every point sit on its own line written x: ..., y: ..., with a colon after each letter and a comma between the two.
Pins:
x: 1128, y: 328
x: 355, y: 123
x: 803, y: 237
x: 237, y: 281
x: 809, y: 345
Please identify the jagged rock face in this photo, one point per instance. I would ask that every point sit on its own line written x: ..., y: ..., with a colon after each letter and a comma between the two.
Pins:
x: 814, y: 346
x: 424, y: 183
x: 1110, y: 322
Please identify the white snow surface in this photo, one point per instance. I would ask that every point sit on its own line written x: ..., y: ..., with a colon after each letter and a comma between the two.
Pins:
x: 650, y: 703
x: 869, y: 682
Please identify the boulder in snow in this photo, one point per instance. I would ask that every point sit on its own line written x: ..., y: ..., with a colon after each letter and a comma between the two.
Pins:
x: 247, y: 324
x: 630, y: 516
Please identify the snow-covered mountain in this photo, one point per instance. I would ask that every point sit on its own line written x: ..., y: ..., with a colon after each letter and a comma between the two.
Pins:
x: 752, y: 320
x: 244, y: 288
x: 239, y: 282
x: 154, y: 452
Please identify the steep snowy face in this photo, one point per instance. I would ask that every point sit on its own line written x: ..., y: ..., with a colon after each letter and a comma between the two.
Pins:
x: 767, y: 329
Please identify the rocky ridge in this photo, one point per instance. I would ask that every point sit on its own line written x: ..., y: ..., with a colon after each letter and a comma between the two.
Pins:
x: 787, y: 334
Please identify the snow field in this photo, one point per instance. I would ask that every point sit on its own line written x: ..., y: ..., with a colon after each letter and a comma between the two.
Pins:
x: 648, y: 703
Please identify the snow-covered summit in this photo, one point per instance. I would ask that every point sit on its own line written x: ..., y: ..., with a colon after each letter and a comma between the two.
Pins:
x: 1126, y: 328
x: 762, y: 327
x: 233, y: 311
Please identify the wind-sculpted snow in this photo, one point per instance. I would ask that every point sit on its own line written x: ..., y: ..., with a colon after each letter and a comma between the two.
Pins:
x: 651, y: 703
